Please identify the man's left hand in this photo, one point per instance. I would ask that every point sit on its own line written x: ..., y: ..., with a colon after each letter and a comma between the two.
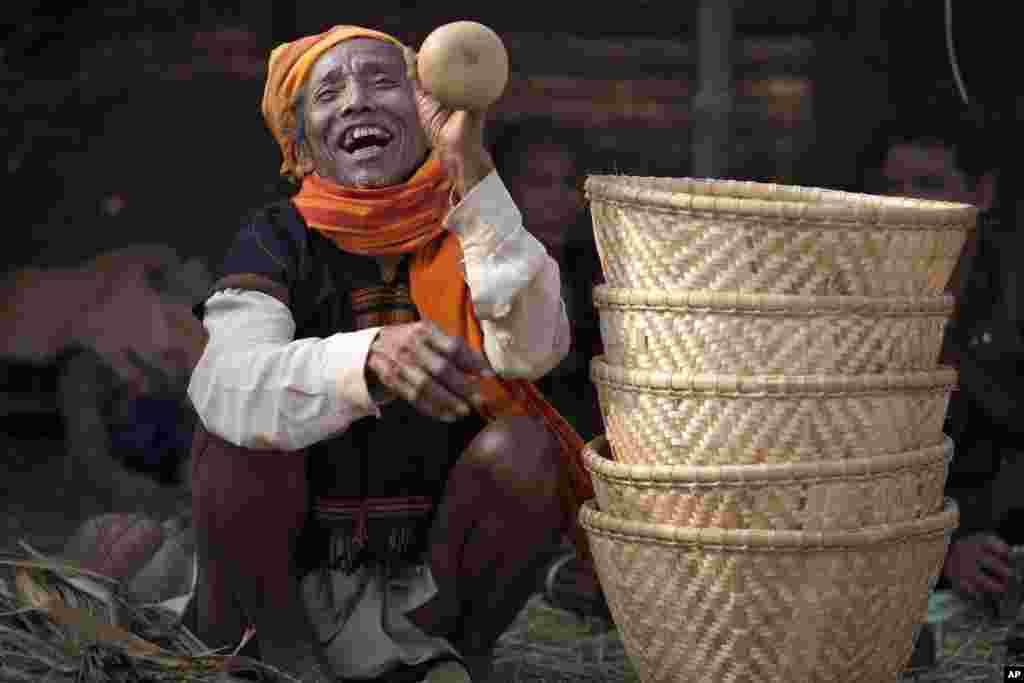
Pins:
x: 456, y: 136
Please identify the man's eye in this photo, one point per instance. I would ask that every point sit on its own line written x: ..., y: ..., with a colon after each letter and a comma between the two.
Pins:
x: 386, y: 82
x: 326, y: 95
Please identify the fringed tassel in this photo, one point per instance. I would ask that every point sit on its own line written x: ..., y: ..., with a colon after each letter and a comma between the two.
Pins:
x: 362, y: 535
x: 349, y: 551
x: 380, y: 531
x: 402, y: 538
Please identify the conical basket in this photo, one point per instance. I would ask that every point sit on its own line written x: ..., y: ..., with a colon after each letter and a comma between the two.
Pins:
x: 722, y: 235
x: 747, y: 334
x: 815, y: 496
x: 782, y: 606
x: 665, y: 418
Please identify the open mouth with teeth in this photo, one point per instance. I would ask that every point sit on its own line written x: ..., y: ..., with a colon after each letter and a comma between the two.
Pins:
x: 365, y: 140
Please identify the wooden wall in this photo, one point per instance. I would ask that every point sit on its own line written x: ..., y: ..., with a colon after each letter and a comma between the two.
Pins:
x: 635, y: 99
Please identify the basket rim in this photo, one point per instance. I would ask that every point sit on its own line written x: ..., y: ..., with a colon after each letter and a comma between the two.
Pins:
x: 597, y: 458
x: 779, y: 202
x: 681, y: 300
x: 683, y: 382
x: 594, y: 521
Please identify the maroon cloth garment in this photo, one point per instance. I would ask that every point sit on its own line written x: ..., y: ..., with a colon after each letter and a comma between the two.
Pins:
x: 248, y: 509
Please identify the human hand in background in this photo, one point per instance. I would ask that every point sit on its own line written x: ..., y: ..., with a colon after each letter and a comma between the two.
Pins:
x: 978, y: 565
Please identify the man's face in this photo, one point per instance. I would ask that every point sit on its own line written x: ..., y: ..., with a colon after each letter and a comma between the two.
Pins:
x: 545, y: 189
x: 362, y: 125
x: 923, y: 171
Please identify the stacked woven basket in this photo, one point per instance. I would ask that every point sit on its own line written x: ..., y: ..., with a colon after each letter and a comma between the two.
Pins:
x: 770, y: 485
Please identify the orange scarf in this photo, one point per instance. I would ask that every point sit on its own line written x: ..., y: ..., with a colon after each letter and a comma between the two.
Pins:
x: 407, y: 218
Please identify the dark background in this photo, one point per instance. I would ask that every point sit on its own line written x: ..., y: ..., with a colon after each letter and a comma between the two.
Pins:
x: 139, y: 121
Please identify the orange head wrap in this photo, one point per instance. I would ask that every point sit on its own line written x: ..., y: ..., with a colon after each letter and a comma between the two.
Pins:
x: 287, y: 73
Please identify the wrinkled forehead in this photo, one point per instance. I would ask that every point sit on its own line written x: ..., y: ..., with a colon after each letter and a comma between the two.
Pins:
x: 358, y: 56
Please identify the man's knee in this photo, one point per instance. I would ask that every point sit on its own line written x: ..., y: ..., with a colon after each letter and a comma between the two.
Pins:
x: 520, y: 454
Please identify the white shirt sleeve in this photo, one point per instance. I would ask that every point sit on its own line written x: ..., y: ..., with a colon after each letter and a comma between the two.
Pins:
x: 515, y: 285
x: 257, y: 387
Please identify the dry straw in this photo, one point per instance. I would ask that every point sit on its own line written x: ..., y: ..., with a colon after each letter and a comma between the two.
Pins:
x: 818, y: 496
x: 63, y: 624
x: 734, y: 333
x: 752, y: 605
x: 722, y: 235
x: 664, y: 418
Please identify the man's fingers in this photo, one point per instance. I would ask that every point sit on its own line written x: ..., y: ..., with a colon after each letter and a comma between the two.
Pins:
x: 411, y: 65
x: 456, y: 350
x: 473, y: 118
x: 472, y: 362
x: 420, y: 364
x: 431, y: 397
x: 448, y: 374
x: 393, y: 377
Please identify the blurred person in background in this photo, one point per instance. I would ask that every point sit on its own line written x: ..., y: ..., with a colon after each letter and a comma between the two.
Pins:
x: 543, y: 164
x: 120, y: 331
x: 926, y: 155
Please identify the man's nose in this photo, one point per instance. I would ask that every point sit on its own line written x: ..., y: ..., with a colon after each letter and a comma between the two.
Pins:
x: 358, y: 98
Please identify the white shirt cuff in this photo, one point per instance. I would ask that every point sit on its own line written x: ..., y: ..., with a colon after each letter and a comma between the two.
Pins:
x: 345, y: 368
x: 487, y: 205
x: 501, y: 257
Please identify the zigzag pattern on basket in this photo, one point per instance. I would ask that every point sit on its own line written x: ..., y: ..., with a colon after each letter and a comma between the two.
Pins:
x: 840, y: 503
x: 655, y: 247
x: 662, y: 428
x: 717, y: 613
x: 748, y: 343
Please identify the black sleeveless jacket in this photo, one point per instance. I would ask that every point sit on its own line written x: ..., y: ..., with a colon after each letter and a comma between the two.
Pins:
x: 403, y: 453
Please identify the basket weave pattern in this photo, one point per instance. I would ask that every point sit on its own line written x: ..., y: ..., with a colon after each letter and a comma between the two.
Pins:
x: 695, y: 422
x: 786, y: 606
x: 771, y: 478
x: 843, y: 494
x: 751, y: 237
x: 642, y: 248
x: 702, y: 333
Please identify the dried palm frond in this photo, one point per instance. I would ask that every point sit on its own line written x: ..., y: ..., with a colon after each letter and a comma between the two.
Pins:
x: 65, y: 624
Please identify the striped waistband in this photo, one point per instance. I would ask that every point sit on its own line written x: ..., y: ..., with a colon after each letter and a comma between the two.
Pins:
x: 349, y: 508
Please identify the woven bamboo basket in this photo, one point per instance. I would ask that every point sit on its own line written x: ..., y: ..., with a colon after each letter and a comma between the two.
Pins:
x: 663, y: 418
x: 721, y: 235
x: 752, y: 605
x: 733, y: 333
x: 814, y: 496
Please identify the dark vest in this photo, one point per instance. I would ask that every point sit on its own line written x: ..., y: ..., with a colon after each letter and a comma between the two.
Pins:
x: 402, y: 456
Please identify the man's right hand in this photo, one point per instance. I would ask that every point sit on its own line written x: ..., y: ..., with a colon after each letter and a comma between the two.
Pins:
x: 436, y: 373
x: 978, y: 564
